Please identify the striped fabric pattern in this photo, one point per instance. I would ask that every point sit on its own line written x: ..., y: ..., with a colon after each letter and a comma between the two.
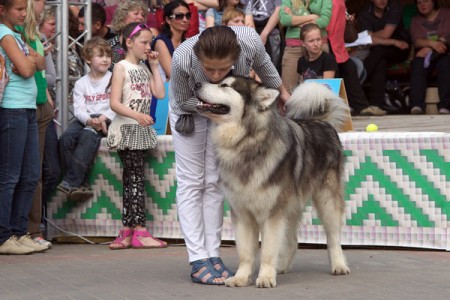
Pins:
x: 186, y: 68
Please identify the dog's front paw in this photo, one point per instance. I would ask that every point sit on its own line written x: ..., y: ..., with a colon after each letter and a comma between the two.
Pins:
x: 266, y: 281
x: 340, y: 270
x: 236, y: 281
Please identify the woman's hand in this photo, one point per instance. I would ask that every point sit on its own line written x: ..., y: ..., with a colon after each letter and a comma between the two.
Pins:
x: 283, y: 98
x: 312, y: 19
x: 48, y: 48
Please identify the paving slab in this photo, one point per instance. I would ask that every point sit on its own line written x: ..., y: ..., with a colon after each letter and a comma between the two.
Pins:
x: 82, y: 271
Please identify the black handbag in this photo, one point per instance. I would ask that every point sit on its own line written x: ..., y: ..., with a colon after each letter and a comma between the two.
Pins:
x: 185, y: 124
x: 350, y: 33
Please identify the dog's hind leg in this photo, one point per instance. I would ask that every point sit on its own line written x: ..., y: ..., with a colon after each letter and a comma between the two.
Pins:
x: 247, y: 243
x: 330, y: 207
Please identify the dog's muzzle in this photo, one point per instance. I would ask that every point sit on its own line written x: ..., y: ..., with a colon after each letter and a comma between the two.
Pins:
x: 206, y: 107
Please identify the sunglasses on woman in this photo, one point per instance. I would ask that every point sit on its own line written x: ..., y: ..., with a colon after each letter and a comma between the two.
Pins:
x: 180, y: 16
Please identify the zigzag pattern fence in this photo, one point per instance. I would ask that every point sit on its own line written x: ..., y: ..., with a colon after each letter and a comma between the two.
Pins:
x: 397, y: 194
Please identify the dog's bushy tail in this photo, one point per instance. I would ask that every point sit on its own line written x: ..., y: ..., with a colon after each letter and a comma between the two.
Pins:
x: 312, y: 100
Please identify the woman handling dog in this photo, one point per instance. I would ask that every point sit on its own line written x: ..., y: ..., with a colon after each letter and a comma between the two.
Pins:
x: 216, y: 53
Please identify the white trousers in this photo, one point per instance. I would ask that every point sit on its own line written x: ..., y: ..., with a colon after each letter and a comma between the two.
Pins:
x: 199, y: 199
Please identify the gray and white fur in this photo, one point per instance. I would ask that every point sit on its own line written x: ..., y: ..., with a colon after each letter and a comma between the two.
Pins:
x: 271, y: 165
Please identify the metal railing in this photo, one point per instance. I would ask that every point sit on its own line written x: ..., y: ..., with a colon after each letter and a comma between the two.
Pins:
x: 63, y: 42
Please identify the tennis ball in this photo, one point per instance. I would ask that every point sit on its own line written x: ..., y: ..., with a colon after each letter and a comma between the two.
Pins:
x: 371, y: 127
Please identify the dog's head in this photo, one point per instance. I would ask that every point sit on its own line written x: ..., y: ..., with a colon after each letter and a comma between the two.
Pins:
x: 229, y: 100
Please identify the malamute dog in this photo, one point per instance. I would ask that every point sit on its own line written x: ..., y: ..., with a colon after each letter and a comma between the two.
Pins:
x: 271, y: 165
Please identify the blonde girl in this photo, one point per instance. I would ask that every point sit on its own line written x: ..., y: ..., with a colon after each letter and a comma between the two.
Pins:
x: 131, y: 133
x: 44, y: 104
x: 19, y: 152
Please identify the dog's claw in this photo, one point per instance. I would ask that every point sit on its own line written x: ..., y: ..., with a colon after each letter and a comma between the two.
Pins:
x: 340, y: 270
x: 266, y: 282
x: 237, y: 281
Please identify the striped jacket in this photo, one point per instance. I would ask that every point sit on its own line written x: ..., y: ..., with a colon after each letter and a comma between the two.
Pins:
x: 186, y: 68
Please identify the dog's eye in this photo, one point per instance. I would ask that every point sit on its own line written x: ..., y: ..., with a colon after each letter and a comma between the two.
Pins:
x: 223, y: 85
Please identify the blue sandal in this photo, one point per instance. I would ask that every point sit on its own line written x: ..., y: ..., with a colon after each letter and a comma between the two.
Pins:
x: 209, y: 269
x: 217, y: 260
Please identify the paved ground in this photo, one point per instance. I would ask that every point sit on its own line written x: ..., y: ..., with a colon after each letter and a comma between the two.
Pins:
x: 74, y: 271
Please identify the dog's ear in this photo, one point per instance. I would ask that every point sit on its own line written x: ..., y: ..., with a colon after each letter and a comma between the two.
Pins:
x: 265, y: 97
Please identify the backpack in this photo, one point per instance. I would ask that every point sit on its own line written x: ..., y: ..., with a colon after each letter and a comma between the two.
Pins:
x: 396, y: 98
x: 4, y: 78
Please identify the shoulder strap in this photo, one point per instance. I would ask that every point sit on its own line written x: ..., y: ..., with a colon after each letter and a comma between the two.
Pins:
x: 22, y: 46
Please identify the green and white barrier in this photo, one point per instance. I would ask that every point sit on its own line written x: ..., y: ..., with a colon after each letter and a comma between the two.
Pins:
x: 397, y: 194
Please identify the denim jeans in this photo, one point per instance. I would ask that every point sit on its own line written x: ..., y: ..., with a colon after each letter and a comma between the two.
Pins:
x: 51, y: 165
x: 19, y: 169
x: 78, y: 146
